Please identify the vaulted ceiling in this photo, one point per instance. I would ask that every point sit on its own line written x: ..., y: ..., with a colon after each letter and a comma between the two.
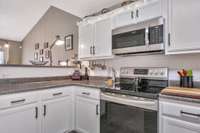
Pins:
x: 17, y: 17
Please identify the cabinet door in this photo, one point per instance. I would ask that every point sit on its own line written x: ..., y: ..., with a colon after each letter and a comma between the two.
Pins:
x: 103, y: 38
x: 125, y: 18
x: 87, y: 115
x: 86, y: 40
x: 21, y: 119
x: 171, y: 125
x: 149, y: 11
x: 184, y: 19
x: 58, y: 115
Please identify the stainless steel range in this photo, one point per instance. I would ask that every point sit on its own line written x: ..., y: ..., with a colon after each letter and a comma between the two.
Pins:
x: 132, y: 106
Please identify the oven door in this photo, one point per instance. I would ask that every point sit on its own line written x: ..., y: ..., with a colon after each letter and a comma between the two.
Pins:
x: 123, y: 118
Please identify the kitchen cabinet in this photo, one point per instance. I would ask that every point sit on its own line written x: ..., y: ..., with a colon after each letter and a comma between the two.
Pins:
x: 124, y: 18
x: 183, y: 26
x: 148, y: 11
x: 58, y: 115
x: 19, y: 118
x: 179, y: 117
x: 95, y: 40
x: 57, y: 110
x: 172, y: 125
x: 103, y: 39
x: 86, y: 40
x: 87, y: 111
x: 137, y: 13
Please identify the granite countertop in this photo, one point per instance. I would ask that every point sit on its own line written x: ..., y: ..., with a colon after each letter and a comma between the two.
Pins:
x: 35, y: 86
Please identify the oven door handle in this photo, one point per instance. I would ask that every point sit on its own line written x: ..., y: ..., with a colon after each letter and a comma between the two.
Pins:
x: 134, y: 101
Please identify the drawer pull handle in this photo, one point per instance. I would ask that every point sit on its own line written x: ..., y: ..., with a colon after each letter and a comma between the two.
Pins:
x: 97, y: 109
x: 45, y: 110
x: 57, y: 94
x: 191, y: 114
x: 18, y: 101
x: 86, y: 93
x: 36, y: 112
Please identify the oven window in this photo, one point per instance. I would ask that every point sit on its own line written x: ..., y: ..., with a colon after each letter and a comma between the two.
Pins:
x: 117, y: 118
x: 129, y: 39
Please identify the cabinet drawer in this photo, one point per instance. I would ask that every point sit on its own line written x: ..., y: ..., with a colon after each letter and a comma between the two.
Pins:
x: 56, y: 93
x: 180, y: 110
x: 12, y: 100
x: 88, y: 92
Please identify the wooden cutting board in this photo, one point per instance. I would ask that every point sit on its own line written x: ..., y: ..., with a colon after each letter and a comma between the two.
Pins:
x: 183, y: 92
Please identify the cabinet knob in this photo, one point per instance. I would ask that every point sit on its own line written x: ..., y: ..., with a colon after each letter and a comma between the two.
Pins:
x: 45, y: 110
x: 132, y: 14
x: 36, y: 112
x: 18, y: 101
x: 57, y: 94
x: 91, y: 50
x: 137, y: 13
x: 97, y: 109
x: 94, y: 51
x: 169, y: 39
x: 86, y: 93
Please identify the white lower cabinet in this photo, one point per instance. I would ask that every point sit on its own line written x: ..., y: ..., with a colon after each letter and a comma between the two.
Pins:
x: 19, y: 119
x: 173, y: 125
x: 51, y: 111
x: 178, y: 117
x: 87, y: 115
x: 58, y: 115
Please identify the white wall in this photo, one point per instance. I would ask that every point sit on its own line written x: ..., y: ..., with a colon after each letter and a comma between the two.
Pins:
x: 30, y: 72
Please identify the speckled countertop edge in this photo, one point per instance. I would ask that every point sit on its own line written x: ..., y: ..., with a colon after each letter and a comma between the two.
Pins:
x: 179, y: 98
x: 37, y: 86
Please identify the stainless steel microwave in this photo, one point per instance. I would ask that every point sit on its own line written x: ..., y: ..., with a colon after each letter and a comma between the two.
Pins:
x: 144, y: 40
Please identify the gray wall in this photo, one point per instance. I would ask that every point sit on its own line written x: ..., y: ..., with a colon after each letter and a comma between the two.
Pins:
x: 54, y: 22
x: 15, y: 52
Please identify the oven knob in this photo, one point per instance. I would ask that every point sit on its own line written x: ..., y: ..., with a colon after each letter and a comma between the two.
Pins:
x: 162, y: 73
x: 156, y: 73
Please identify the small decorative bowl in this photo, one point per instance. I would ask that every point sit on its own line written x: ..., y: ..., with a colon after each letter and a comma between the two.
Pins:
x: 39, y: 63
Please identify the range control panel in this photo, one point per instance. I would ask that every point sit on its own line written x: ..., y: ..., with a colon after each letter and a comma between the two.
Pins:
x: 157, y: 72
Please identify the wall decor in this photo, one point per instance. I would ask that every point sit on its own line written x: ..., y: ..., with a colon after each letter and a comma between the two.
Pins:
x: 46, y: 45
x: 47, y: 54
x: 36, y: 56
x: 41, y: 51
x: 41, y: 59
x: 37, y: 46
x: 68, y: 42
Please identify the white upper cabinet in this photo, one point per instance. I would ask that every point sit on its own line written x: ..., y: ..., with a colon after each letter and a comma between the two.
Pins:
x: 137, y: 13
x: 124, y: 18
x: 95, y: 39
x: 86, y: 40
x: 149, y: 11
x: 103, y: 38
x: 183, y: 26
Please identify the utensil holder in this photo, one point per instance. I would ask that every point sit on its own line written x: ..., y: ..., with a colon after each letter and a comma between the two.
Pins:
x: 186, y: 81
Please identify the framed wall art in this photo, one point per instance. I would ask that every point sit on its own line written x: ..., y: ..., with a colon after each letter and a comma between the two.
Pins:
x: 68, y: 42
x: 41, y: 51
x: 46, y: 45
x: 37, y: 46
x: 36, y: 55
x: 47, y: 54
